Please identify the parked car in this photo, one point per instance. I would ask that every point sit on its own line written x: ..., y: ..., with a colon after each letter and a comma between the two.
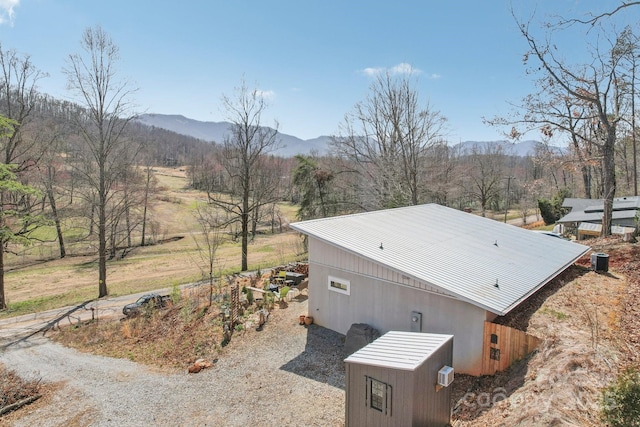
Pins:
x: 148, y: 300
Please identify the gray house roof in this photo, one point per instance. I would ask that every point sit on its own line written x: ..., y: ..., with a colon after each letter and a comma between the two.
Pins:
x: 462, y: 254
x: 591, y: 210
x: 399, y: 350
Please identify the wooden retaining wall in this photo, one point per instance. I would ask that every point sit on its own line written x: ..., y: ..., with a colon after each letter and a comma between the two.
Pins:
x: 503, y: 345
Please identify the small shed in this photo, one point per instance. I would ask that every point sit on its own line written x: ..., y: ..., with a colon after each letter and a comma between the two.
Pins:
x: 394, y: 381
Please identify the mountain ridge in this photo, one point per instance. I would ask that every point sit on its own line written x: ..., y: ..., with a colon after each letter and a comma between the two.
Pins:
x: 291, y: 145
x: 215, y: 132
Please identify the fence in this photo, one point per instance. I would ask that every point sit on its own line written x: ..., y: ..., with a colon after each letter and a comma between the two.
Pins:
x: 503, y: 345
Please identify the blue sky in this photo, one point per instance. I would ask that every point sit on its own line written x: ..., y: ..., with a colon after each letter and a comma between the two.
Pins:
x: 314, y: 60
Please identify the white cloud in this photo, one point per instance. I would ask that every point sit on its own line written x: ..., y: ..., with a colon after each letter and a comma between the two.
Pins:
x: 404, y: 68
x: 6, y: 10
x: 266, y: 94
x: 401, y: 68
x: 434, y: 76
x: 372, y: 71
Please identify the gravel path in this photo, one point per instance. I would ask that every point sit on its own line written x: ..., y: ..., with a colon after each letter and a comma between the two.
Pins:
x: 284, y: 375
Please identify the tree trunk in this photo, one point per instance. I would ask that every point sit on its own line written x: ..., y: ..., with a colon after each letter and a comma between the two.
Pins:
x: 254, y: 222
x: 144, y: 207
x: 102, y: 240
x: 144, y: 222
x: 127, y: 218
x: 609, y: 181
x: 3, y: 302
x: 244, y: 221
x: 56, y: 220
x: 586, y: 180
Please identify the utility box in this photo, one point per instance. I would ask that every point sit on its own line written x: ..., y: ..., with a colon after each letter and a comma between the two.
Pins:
x: 397, y: 380
x: 600, y: 262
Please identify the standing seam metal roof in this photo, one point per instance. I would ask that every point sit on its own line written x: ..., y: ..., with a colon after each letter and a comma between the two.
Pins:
x: 399, y: 350
x: 463, y: 254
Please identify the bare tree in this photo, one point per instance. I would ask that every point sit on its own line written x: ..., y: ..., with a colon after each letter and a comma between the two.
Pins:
x: 386, y: 139
x: 243, y: 158
x: 50, y: 169
x: 484, y: 168
x: 17, y: 206
x: 18, y: 97
x: 107, y: 111
x: 150, y: 188
x: 211, y: 223
x: 594, y: 18
x: 595, y: 99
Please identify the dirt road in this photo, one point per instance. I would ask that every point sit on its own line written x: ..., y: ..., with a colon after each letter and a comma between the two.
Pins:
x: 285, y: 374
x: 16, y: 328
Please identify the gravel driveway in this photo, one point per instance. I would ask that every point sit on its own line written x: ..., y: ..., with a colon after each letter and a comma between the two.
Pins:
x: 284, y: 375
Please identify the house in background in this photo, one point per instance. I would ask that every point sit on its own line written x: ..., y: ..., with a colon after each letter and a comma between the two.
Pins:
x: 585, y: 216
x: 428, y: 268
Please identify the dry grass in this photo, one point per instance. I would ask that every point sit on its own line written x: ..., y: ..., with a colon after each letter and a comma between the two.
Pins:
x: 169, y: 338
x: 14, y: 389
x: 587, y: 341
x: 38, y: 281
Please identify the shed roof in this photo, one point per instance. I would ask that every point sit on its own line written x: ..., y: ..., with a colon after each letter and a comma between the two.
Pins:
x: 591, y: 210
x: 462, y: 254
x: 399, y: 350
x: 596, y: 216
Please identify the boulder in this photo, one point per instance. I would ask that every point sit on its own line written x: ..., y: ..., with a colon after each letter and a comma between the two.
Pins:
x: 199, y: 365
x: 359, y: 335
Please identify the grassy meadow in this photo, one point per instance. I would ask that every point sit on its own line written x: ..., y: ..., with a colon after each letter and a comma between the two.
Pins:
x: 37, y: 279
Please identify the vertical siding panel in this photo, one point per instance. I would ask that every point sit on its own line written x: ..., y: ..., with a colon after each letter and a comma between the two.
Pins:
x: 513, y: 345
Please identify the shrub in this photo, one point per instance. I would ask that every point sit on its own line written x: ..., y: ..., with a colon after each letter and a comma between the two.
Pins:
x: 552, y: 210
x: 621, y: 400
x: 176, y: 294
x: 546, y: 210
x: 250, y: 296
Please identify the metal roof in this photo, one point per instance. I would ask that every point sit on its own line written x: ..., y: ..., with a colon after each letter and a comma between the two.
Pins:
x: 580, y: 204
x: 596, y: 216
x: 399, y: 350
x: 591, y: 210
x: 484, y: 262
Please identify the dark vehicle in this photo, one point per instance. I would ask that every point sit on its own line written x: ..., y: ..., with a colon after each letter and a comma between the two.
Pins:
x: 148, y: 300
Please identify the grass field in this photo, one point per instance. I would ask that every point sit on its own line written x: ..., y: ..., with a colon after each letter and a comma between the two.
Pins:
x: 36, y: 280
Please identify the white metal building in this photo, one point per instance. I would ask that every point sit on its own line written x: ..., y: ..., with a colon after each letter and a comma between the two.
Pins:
x: 427, y: 268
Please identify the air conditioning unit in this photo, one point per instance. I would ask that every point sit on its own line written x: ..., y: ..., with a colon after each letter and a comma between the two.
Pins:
x: 445, y: 376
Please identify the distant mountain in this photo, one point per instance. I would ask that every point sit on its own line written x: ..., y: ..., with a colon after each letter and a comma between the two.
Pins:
x: 522, y: 149
x: 291, y: 145
x: 216, y: 132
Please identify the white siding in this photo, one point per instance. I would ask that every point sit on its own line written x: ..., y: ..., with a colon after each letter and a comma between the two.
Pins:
x: 321, y: 253
x: 387, y: 306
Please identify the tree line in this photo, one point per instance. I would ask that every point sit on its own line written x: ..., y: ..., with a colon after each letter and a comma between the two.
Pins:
x: 91, y: 161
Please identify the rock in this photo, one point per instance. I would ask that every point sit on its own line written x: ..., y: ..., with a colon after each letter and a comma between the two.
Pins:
x: 199, y: 365
x: 359, y: 335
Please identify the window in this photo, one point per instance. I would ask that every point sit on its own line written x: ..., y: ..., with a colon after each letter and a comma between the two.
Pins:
x: 378, y: 395
x: 339, y: 285
x: 494, y: 353
x: 494, y: 339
